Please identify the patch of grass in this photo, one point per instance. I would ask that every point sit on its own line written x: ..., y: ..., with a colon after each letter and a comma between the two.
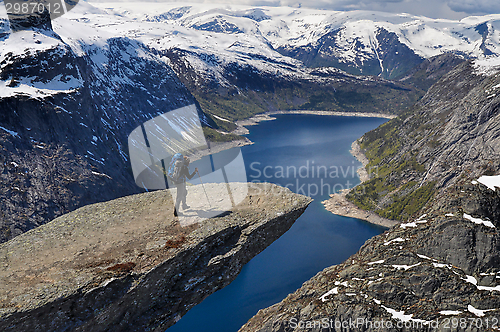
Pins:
x: 411, y: 164
x: 213, y: 135
x: 366, y: 195
x: 404, y: 207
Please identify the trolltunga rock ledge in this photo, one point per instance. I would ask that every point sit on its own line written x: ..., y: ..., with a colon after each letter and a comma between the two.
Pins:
x: 129, y: 265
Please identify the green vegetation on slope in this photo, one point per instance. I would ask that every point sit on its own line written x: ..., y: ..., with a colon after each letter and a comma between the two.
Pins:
x: 394, y: 190
x: 213, y: 135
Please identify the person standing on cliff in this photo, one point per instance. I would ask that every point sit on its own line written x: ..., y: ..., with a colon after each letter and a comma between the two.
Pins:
x: 182, y: 169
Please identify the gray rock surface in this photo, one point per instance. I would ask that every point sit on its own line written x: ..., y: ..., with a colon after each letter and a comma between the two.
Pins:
x: 420, y: 274
x: 449, y: 135
x: 129, y: 265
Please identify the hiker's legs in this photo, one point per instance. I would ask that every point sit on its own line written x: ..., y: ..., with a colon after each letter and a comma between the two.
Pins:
x: 184, y: 196
x: 181, y: 195
x: 180, y: 192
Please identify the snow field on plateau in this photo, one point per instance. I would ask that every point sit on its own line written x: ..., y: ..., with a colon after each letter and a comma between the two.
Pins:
x: 215, y: 36
x: 285, y: 26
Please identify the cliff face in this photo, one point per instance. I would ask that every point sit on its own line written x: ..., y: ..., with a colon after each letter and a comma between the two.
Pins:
x: 442, y: 264
x: 66, y: 114
x: 128, y: 265
x: 451, y: 134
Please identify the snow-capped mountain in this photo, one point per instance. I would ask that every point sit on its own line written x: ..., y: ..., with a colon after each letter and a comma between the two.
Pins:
x: 360, y: 42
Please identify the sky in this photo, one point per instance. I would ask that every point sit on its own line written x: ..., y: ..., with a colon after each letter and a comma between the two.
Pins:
x: 451, y: 9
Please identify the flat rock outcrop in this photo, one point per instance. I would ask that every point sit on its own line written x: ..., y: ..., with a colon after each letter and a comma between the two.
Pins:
x: 129, y: 265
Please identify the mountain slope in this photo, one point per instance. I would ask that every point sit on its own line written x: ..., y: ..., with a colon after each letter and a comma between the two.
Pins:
x: 66, y: 115
x: 447, y: 136
x: 442, y: 264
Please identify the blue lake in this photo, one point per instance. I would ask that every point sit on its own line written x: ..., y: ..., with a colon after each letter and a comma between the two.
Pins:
x: 310, y: 155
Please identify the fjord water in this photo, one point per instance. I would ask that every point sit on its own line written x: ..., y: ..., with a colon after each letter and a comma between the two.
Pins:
x: 292, y: 151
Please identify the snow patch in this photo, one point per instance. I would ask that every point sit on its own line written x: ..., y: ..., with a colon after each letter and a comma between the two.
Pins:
x: 377, y: 262
x: 405, y: 267
x: 372, y: 281
x: 219, y: 118
x: 407, y: 225
x: 330, y: 292
x: 472, y: 280
x: 12, y: 133
x: 479, y: 221
x: 487, y: 66
x: 490, y: 181
x: 440, y: 265
x: 400, y: 315
x: 450, y: 312
x: 425, y: 257
x: 490, y: 289
x: 38, y: 90
x: 101, y: 174
x: 477, y: 312
x: 394, y: 240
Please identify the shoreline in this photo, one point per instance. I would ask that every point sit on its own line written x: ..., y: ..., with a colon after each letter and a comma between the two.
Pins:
x: 267, y: 116
x: 216, y: 147
x: 334, y: 113
x: 241, y: 129
x: 339, y: 205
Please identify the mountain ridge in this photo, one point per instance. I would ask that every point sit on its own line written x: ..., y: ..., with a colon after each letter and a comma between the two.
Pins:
x: 345, y: 40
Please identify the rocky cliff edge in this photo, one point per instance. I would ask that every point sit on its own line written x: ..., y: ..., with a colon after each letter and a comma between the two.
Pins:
x: 129, y: 265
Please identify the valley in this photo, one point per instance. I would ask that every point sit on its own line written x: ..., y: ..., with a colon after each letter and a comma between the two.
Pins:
x: 73, y: 89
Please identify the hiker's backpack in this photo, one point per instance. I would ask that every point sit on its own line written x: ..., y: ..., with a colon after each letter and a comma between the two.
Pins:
x: 174, y: 169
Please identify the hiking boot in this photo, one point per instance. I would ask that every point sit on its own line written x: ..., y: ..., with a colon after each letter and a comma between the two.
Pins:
x: 175, y: 212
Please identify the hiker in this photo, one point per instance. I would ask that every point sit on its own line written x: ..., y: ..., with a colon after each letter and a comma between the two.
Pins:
x: 179, y: 172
